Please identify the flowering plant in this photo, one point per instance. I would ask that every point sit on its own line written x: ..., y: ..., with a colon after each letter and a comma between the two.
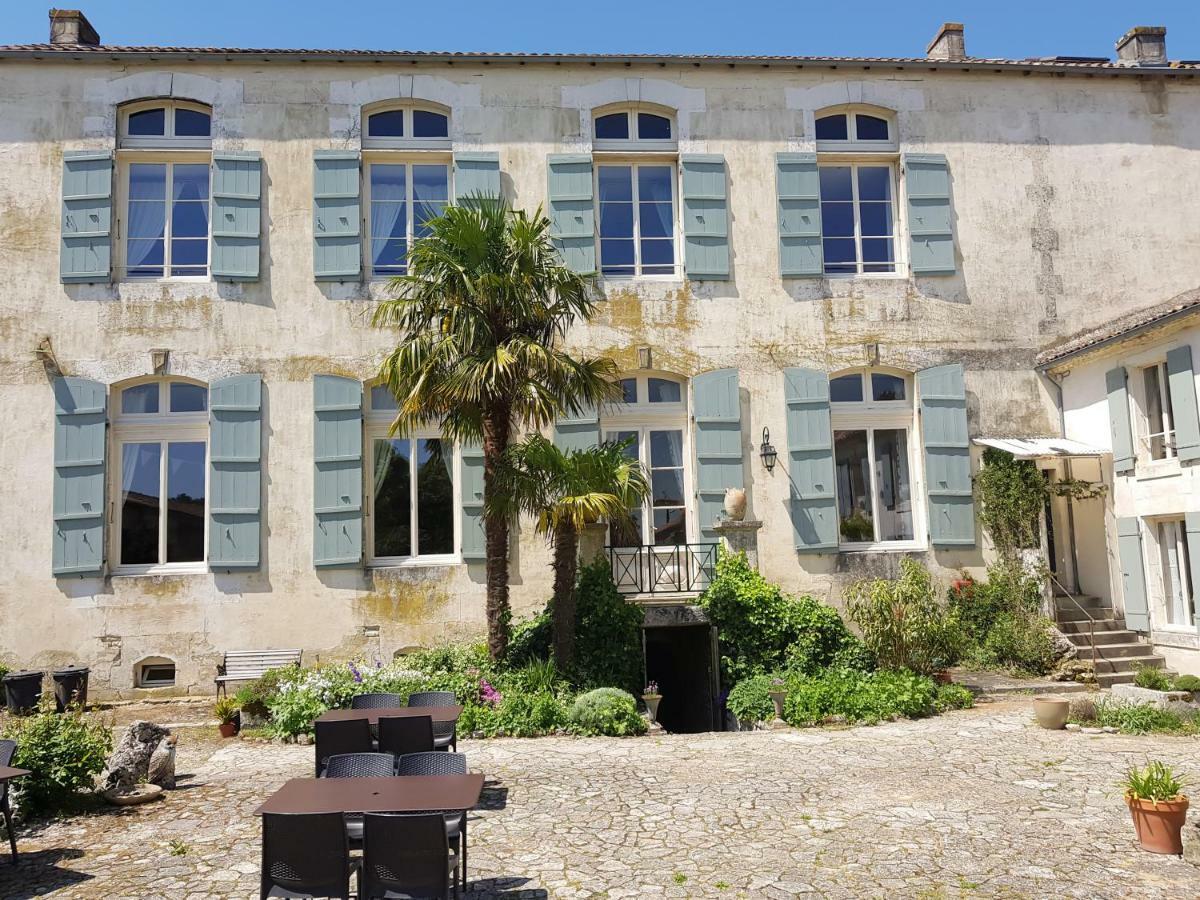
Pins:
x: 651, y: 688
x: 488, y: 694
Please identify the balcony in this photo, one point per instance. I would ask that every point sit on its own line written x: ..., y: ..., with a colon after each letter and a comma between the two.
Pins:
x: 648, y: 570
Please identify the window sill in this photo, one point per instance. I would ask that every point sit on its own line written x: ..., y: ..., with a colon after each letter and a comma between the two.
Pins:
x: 160, y: 571
x: 417, y: 562
x: 866, y: 276
x: 1149, y: 470
x: 656, y: 279
x: 884, y: 547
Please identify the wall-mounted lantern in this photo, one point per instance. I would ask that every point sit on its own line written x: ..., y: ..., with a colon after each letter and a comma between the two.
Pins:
x: 767, y: 452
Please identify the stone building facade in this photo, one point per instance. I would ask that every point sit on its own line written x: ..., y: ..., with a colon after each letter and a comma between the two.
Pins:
x: 855, y: 261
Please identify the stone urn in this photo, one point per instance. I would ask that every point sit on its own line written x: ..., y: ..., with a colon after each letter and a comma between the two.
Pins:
x: 778, y: 696
x: 1051, y: 712
x: 735, y: 504
x: 652, y: 701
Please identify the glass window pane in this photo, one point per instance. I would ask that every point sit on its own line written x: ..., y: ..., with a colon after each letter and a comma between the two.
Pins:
x: 1155, y: 422
x: 835, y: 183
x: 615, y: 183
x: 140, y: 472
x: 144, y: 258
x: 832, y: 128
x: 189, y: 182
x: 188, y: 397
x: 655, y: 219
x: 189, y: 220
x: 185, y: 501
x: 388, y: 220
x: 393, y: 498
x: 388, y: 183
x: 846, y: 389
x: 875, y: 219
x: 192, y: 123
x: 870, y: 128
x: 613, y: 127
x: 874, y: 183
x: 891, y: 477
x: 653, y: 128
x: 428, y: 124
x: 616, y: 220
x: 837, y: 219
x: 422, y: 214
x: 663, y: 390
x: 382, y: 398
x: 147, y: 219
x: 658, y: 257
x: 386, y: 124
x: 877, y: 255
x: 670, y: 527
x: 435, y: 497
x: 431, y: 183
x: 147, y: 181
x: 666, y: 449
x: 619, y: 437
x: 626, y: 533
x: 189, y: 257
x: 388, y: 256
x: 148, y: 123
x: 667, y: 487
x: 886, y: 387
x: 629, y: 390
x: 840, y: 255
x: 855, y: 517
x: 654, y: 183
x: 616, y: 257
x: 141, y: 399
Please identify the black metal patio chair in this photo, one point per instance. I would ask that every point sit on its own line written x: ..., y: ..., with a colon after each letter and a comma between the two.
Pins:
x: 445, y: 734
x: 439, y: 763
x: 407, y: 856
x: 305, y: 855
x: 359, y: 765
x: 334, y: 738
x: 405, y: 734
x: 7, y: 750
x: 375, y: 701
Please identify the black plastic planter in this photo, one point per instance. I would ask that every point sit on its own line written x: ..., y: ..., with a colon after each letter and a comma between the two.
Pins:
x: 70, y: 686
x: 21, y: 690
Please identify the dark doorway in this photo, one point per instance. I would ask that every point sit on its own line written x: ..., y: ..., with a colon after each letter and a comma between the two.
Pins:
x: 680, y: 659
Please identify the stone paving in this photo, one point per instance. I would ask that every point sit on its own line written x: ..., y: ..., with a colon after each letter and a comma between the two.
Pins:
x: 973, y: 804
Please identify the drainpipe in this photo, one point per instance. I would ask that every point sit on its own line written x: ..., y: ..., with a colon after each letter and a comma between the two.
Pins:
x: 1062, y: 427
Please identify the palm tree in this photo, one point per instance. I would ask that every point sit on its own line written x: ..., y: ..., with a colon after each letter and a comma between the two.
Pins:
x: 482, y: 314
x: 564, y: 492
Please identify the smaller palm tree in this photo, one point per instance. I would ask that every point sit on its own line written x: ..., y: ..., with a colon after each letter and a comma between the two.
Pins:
x: 563, y: 491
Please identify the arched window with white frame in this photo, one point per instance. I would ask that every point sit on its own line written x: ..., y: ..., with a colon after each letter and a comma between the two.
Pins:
x: 407, y: 170
x: 636, y: 155
x: 412, y: 490
x: 160, y: 442
x: 875, y: 458
x: 164, y: 151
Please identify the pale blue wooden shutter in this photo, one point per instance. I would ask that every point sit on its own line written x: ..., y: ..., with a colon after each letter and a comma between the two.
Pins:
x: 476, y: 175
x: 236, y: 215
x: 338, y: 471
x: 235, y: 472
x: 572, y: 214
x: 86, y: 251
x: 930, y: 229
x: 812, y: 495
x: 1192, y: 528
x: 716, y: 410
x: 474, y: 546
x: 1133, y: 574
x: 798, y: 184
x: 577, y: 431
x: 947, y: 456
x: 337, y: 218
x: 1118, y: 420
x: 705, y: 217
x: 1185, y: 417
x: 80, y: 423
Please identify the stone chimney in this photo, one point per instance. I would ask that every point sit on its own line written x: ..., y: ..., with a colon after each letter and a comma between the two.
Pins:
x: 949, y: 43
x: 1143, y: 45
x: 70, y: 26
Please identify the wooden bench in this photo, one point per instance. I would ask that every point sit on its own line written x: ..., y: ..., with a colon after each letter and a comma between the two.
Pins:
x: 248, y: 665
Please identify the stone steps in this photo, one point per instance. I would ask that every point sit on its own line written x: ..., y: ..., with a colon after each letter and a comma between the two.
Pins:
x: 1118, y: 653
x: 1111, y: 651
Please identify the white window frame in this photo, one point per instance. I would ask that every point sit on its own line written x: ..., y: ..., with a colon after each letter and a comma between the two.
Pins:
x: 634, y: 163
x: 852, y: 144
x: 634, y: 142
x: 855, y: 162
x: 1146, y: 437
x: 163, y: 428
x: 890, y: 415
x: 167, y: 140
x: 158, y: 157
x: 1162, y: 584
x: 408, y: 160
x: 377, y: 423
x: 408, y: 142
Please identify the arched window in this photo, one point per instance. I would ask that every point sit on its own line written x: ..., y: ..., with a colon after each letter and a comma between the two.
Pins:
x: 407, y: 126
x: 160, y: 434
x: 857, y: 155
x: 166, y: 124
x: 154, y: 672
x: 874, y: 456
x: 636, y: 175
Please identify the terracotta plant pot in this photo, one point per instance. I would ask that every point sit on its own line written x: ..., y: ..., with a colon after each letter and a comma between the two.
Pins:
x: 1051, y: 712
x: 1159, y: 826
x: 942, y: 677
x: 227, y: 729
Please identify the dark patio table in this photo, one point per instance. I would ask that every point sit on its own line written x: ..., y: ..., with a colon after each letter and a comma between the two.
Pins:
x: 437, y: 713
x: 7, y: 773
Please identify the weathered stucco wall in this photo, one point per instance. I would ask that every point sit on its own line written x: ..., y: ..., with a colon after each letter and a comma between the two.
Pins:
x: 1074, y: 200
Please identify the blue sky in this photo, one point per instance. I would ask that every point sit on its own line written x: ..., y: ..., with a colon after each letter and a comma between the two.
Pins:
x: 1016, y: 28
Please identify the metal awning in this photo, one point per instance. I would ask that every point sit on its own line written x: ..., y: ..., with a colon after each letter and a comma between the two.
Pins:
x: 1040, y: 448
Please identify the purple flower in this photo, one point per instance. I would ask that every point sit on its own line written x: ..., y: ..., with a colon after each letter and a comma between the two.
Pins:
x: 357, y: 674
x: 489, y: 694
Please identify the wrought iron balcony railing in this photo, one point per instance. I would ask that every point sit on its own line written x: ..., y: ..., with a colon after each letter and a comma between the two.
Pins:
x: 673, y: 569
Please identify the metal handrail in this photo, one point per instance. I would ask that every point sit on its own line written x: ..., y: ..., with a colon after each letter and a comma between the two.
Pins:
x: 663, y: 568
x: 1091, y: 619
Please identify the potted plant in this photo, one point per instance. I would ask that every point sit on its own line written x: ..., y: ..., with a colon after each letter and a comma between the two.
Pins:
x: 651, y: 697
x: 226, y: 710
x: 778, y: 696
x: 1159, y: 809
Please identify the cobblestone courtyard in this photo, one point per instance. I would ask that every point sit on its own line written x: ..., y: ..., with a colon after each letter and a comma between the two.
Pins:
x: 972, y: 804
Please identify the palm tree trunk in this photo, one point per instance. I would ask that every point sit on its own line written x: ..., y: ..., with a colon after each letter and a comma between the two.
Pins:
x: 566, y: 563
x: 496, y: 430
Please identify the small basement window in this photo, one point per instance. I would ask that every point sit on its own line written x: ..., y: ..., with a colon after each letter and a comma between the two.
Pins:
x: 156, y: 674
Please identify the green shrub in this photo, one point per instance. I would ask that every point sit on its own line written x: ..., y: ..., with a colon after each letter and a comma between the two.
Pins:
x: 536, y: 676
x: 517, y: 715
x: 606, y: 711
x: 1152, y: 678
x: 293, y: 710
x: 1141, y: 718
x: 750, y: 700
x: 608, y: 632
x: 530, y: 639
x: 952, y: 696
x: 761, y: 630
x: 902, y: 622
x: 64, y: 752
x: 4, y: 670
x: 866, y: 697
x: 1002, y: 620
x: 1189, y: 683
x: 1019, y: 642
x: 252, y: 698
x: 1157, y: 782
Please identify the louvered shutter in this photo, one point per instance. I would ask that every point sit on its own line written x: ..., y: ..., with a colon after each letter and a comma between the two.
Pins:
x: 1118, y: 420
x: 1192, y: 529
x: 236, y: 215
x: 474, y: 547
x: 337, y: 217
x: 930, y: 227
x: 235, y: 472
x: 80, y: 424
x: 476, y: 175
x: 1133, y: 574
x: 578, y: 431
x: 338, y: 471
x: 810, y: 469
x: 705, y: 217
x: 798, y: 185
x: 1185, y: 417
x: 947, y: 456
x: 86, y: 251
x: 572, y: 214
x: 717, y: 413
